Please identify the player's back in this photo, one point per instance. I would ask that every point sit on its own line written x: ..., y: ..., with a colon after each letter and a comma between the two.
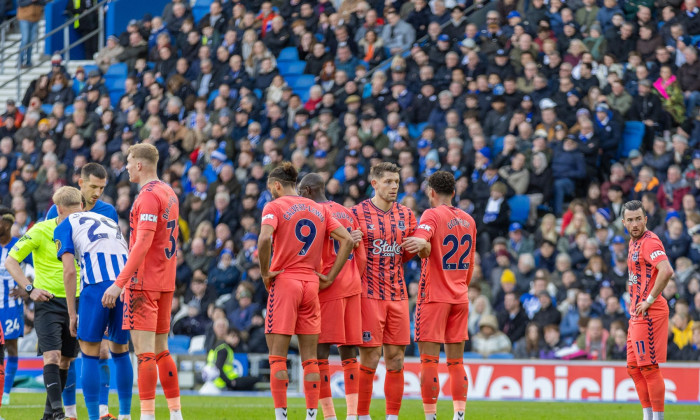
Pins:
x: 643, y: 255
x: 383, y: 234
x: 156, y: 208
x: 445, y: 275
x: 348, y: 281
x: 300, y: 232
x: 7, y: 283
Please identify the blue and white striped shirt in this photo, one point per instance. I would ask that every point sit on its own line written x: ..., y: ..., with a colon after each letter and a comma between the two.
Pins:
x: 7, y: 283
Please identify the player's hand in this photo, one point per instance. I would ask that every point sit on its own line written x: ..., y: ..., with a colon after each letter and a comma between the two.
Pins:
x: 413, y: 244
x: 109, y: 299
x: 40, y: 295
x: 18, y: 292
x: 642, y: 308
x: 73, y: 326
x: 267, y: 278
x: 324, y: 281
x: 356, y: 236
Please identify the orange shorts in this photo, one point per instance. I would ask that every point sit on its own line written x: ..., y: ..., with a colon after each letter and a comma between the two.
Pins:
x: 646, y: 340
x: 341, y: 323
x: 293, y: 308
x: 146, y: 310
x: 439, y: 322
x: 385, y: 322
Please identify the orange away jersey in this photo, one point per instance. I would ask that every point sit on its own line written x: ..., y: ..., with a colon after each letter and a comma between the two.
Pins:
x: 643, y: 256
x: 446, y: 273
x: 348, y: 282
x: 301, y: 228
x: 382, y: 236
x: 156, y: 208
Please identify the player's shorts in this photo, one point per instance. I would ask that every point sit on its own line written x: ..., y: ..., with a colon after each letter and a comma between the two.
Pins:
x: 293, y: 308
x: 647, y: 340
x: 12, y: 321
x: 385, y: 322
x: 146, y: 310
x: 339, y: 321
x: 52, y: 325
x: 439, y: 322
x: 94, y: 319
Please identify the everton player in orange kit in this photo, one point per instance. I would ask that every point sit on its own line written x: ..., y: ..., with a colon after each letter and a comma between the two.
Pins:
x: 149, y: 278
x: 297, y: 228
x: 443, y: 307
x: 385, y: 225
x: 340, y: 305
x: 649, y: 272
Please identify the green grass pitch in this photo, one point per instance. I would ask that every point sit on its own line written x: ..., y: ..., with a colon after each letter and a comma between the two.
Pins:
x: 29, y: 406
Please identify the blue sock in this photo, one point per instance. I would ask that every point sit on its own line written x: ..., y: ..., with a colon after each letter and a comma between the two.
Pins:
x: 125, y: 381
x: 91, y: 386
x: 69, y: 390
x: 10, y: 371
x: 104, y: 381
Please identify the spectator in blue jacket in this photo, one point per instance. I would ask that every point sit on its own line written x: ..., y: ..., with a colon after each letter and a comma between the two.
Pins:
x: 568, y: 167
x: 609, y: 133
x: 584, y: 308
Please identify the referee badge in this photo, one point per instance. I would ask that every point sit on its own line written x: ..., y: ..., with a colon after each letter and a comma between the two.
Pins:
x: 58, y: 244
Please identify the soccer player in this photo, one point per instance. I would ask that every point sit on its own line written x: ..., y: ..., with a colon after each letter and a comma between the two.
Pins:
x: 649, y: 273
x: 443, y: 307
x: 92, y: 182
x: 11, y: 308
x: 298, y: 229
x: 96, y: 242
x: 51, y: 318
x: 149, y: 278
x: 385, y: 224
x: 340, y: 305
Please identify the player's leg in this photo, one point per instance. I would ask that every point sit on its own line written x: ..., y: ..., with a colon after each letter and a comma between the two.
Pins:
x: 654, y: 346
x: 104, y: 379
x: 69, y: 379
x: 91, y: 381
x: 429, y: 381
x: 635, y: 373
x: 2, y: 366
x: 118, y: 346
x: 69, y: 351
x: 140, y: 313
x: 325, y: 395
x: 456, y: 333
x: 373, y: 314
x: 10, y: 369
x: 167, y: 372
x: 48, y: 324
x: 351, y: 376
x: 278, y: 345
x: 396, y: 337
x: 312, y: 378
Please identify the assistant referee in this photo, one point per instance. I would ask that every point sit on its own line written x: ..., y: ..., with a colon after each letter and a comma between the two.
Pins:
x: 51, y: 318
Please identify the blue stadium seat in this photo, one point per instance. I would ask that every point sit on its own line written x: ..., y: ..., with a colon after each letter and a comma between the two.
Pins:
x: 695, y: 40
x: 258, y: 93
x: 288, y: 54
x: 117, y: 70
x: 90, y: 67
x: 303, y: 94
x: 212, y: 95
x: 47, y: 108
x: 632, y: 137
x: 502, y: 356
x: 472, y: 355
x: 415, y: 130
x: 69, y: 109
x: 304, y: 81
x: 179, y: 344
x: 114, y: 97
x: 115, y: 83
x: 519, y: 208
x: 199, y: 11
x: 291, y: 67
x: 497, y: 145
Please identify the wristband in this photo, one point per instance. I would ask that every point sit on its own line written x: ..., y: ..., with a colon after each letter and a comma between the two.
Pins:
x: 650, y: 299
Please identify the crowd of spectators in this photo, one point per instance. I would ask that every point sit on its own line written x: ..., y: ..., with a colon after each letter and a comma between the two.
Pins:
x: 526, y: 98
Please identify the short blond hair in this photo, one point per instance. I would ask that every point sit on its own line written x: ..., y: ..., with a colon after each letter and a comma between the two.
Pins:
x: 67, y: 197
x: 144, y: 151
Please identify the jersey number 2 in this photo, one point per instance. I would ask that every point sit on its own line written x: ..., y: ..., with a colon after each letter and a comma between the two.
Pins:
x: 306, y: 239
x: 461, y: 264
x: 92, y: 236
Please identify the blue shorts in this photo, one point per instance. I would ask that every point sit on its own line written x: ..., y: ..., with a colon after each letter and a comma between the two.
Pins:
x: 12, y: 321
x: 94, y: 319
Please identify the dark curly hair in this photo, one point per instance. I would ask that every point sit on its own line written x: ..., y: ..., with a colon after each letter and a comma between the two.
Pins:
x: 285, y: 173
x: 442, y: 182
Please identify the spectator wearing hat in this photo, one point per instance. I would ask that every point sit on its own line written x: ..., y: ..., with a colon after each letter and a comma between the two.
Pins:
x: 568, y: 168
x: 512, y: 319
x: 519, y: 242
x: 108, y: 55
x: 490, y: 339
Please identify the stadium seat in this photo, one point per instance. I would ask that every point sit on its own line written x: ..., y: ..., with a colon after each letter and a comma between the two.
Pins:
x: 519, y: 208
x: 497, y: 145
x: 288, y: 54
x: 212, y: 95
x: 304, y: 81
x: 199, y: 11
x: 69, y: 109
x: 695, y: 40
x: 258, y: 93
x: 47, y: 108
x: 632, y: 137
x: 89, y: 67
x: 502, y: 356
x: 291, y: 67
x: 115, y: 83
x: 114, y: 97
x: 416, y: 130
x: 179, y: 344
x: 472, y: 355
x: 117, y: 70
x: 303, y: 94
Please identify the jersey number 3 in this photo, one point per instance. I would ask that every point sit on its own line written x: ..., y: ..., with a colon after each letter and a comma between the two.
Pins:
x: 455, y: 244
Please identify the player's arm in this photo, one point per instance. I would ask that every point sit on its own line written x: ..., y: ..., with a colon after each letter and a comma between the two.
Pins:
x: 264, y: 254
x: 69, y: 276
x: 419, y: 243
x: 22, y: 249
x: 346, y: 242
x: 665, y: 272
x: 412, y: 225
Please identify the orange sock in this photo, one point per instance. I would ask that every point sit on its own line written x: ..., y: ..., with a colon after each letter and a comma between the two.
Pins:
x: 459, y: 384
x: 278, y: 387
x: 351, y: 373
x: 167, y: 371
x: 325, y: 393
x: 640, y: 384
x: 148, y: 380
x: 364, y: 396
x: 429, y: 382
x: 656, y: 386
x: 393, y: 391
x: 312, y: 386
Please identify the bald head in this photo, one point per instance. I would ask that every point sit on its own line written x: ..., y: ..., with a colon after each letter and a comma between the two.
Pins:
x: 313, y: 187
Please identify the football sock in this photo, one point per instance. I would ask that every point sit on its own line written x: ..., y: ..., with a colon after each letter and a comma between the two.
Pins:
x: 311, y: 384
x: 280, y: 414
x: 459, y: 384
x: 278, y: 387
x: 656, y: 387
x: 104, y: 386
x: 311, y: 413
x: 148, y: 380
x: 91, y: 386
x: 68, y: 386
x: 640, y: 384
x: 364, y: 396
x: 393, y: 391
x: 429, y: 384
x: 647, y: 413
x: 167, y: 371
x: 52, y: 382
x: 351, y: 373
x: 10, y: 371
x: 658, y: 415
x: 125, y: 381
x: 325, y: 395
x: 392, y: 417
